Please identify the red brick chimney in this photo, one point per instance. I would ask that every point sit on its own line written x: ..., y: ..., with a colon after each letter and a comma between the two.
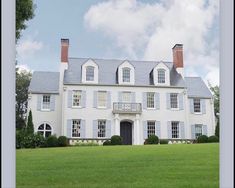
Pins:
x: 178, y: 56
x: 64, y: 50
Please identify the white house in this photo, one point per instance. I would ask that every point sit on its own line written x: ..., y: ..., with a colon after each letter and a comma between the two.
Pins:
x: 93, y: 99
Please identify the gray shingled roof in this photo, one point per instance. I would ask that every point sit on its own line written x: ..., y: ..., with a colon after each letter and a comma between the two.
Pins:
x: 197, y: 88
x: 108, y: 68
x: 44, y: 82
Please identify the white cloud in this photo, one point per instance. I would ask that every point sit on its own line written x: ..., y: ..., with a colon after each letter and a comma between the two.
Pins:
x: 149, y: 31
x: 24, y: 67
x: 28, y: 48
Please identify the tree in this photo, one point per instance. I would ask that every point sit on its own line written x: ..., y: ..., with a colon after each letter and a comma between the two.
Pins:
x: 22, y: 83
x: 24, y: 12
x: 30, y: 127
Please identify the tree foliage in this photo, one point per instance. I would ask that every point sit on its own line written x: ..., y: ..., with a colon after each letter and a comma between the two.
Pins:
x: 30, y: 128
x: 24, y: 12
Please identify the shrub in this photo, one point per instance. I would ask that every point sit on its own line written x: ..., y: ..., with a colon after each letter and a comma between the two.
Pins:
x: 116, y: 140
x: 62, y: 141
x: 38, y: 140
x: 202, y: 139
x: 162, y: 141
x: 153, y: 139
x: 213, y: 139
x: 86, y: 144
x: 51, y: 141
x: 107, y: 143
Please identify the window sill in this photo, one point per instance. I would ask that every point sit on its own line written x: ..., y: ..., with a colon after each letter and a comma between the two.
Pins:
x: 45, y: 110
x: 174, y: 109
x: 76, y: 107
x: 197, y: 113
x: 151, y: 109
x: 101, y: 107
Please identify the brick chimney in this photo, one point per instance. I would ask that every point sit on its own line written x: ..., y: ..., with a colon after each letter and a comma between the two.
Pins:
x: 64, y: 50
x: 178, y: 58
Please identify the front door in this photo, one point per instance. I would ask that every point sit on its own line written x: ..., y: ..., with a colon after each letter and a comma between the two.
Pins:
x: 126, y: 132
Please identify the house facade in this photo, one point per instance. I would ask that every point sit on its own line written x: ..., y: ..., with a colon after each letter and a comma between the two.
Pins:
x: 93, y: 99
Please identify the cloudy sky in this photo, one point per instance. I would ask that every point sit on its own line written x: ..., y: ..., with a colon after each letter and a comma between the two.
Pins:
x: 124, y: 29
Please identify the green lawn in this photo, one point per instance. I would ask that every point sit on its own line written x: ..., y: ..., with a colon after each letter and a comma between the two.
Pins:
x: 157, y: 166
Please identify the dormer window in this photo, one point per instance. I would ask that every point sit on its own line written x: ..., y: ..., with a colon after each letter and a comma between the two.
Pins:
x: 126, y: 74
x: 161, y: 76
x: 90, y: 73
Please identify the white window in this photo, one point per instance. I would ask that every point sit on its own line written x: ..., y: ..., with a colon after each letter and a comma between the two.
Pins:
x: 151, y: 128
x: 197, y: 105
x: 126, y: 97
x: 45, y: 130
x: 90, y: 73
x: 77, y: 95
x: 150, y: 100
x: 198, y: 130
x: 126, y: 72
x: 102, y: 98
x: 76, y: 128
x: 175, y: 129
x: 46, y: 102
x: 174, y: 100
x: 101, y: 128
x: 161, y: 76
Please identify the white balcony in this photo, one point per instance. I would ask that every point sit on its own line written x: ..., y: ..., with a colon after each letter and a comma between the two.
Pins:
x: 127, y: 108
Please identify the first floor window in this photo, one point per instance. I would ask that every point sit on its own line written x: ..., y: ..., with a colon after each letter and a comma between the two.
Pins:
x: 76, y: 128
x: 101, y: 128
x: 150, y: 100
x: 174, y: 100
x: 45, y: 129
x: 197, y: 105
x: 126, y: 74
x: 46, y: 102
x: 77, y: 98
x: 175, y: 129
x: 151, y: 128
x: 102, y: 98
x: 198, y: 130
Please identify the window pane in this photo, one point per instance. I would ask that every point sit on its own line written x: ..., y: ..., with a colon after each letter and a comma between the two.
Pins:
x: 161, y: 76
x: 90, y: 73
x: 48, y: 127
x: 41, y: 127
x: 198, y: 130
x: 126, y: 75
x: 48, y: 133
x: 197, y: 105
x: 175, y: 129
x: 150, y: 100
x: 102, y: 98
x: 126, y: 97
x: 101, y: 128
x: 76, y: 128
x: 151, y: 128
x: 77, y: 98
x: 46, y: 102
x: 174, y: 100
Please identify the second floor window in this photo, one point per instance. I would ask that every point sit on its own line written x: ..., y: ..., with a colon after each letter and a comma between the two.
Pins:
x: 102, y: 99
x: 46, y: 99
x: 175, y: 129
x: 90, y: 73
x: 151, y: 128
x: 101, y: 128
x: 126, y: 74
x: 174, y: 100
x: 126, y: 97
x: 161, y: 76
x: 77, y: 98
x: 150, y: 100
x: 76, y: 128
x: 197, y: 105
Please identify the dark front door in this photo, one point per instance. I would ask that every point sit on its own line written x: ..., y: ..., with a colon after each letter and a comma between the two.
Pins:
x: 126, y: 132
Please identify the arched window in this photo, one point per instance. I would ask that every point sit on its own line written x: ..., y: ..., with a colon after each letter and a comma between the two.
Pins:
x: 126, y: 72
x: 45, y: 129
x: 161, y: 76
x: 90, y: 73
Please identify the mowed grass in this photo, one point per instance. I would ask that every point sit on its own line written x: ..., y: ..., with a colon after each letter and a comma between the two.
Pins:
x: 157, y: 166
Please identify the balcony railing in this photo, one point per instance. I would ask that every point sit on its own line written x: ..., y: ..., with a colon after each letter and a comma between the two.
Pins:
x: 122, y: 108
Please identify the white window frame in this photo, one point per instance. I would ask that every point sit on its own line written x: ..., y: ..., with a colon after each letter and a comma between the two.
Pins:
x: 44, y: 130
x: 197, y: 134
x: 91, y: 75
x: 73, y: 93
x: 199, y: 104
x: 151, y: 128
x: 159, y: 76
x: 49, y: 103
x: 177, y: 94
x: 175, y: 124
x: 79, y: 128
x: 124, y: 74
x: 105, y: 97
x: 101, y: 131
x: 147, y: 100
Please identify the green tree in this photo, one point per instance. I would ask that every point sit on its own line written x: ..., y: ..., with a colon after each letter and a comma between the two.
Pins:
x: 30, y: 127
x: 24, y: 12
x: 22, y: 83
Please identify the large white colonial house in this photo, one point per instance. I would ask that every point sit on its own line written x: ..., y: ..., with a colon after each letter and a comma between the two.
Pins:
x: 93, y: 99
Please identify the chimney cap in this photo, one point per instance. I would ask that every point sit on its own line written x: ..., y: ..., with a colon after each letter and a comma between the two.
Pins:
x: 65, y: 41
x: 178, y: 46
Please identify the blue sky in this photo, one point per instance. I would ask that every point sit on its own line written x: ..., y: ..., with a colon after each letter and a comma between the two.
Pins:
x: 124, y: 29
